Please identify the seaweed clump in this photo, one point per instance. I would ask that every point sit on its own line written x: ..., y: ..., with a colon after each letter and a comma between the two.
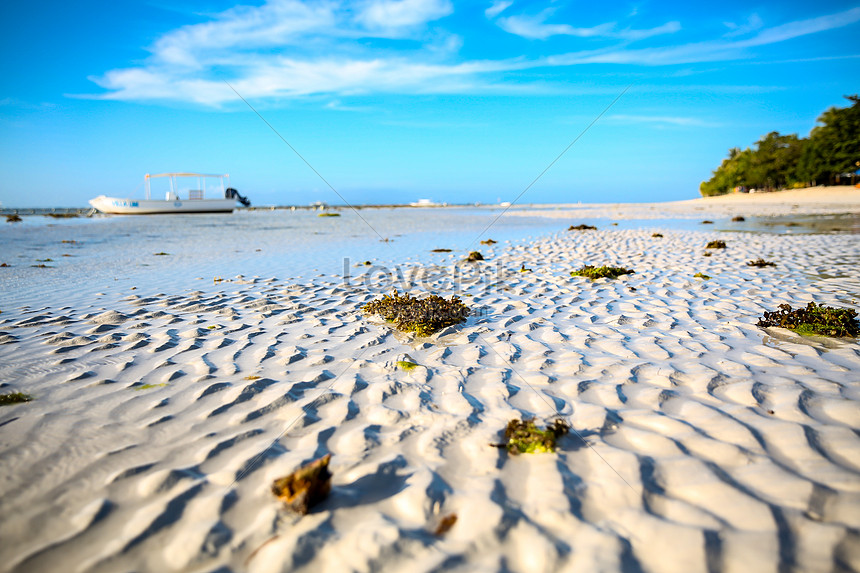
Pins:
x: 406, y: 365
x: 327, y: 214
x: 524, y: 437
x: 716, y: 245
x: 305, y: 487
x: 489, y: 242
x: 657, y: 235
x: 445, y: 524
x: 13, y: 218
x: 760, y: 263
x: 737, y: 219
x: 14, y: 398
x: 702, y: 276
x: 582, y: 227
x: 814, y: 319
x: 442, y: 250
x: 593, y: 272
x: 474, y: 256
x: 706, y: 222
x: 422, y: 316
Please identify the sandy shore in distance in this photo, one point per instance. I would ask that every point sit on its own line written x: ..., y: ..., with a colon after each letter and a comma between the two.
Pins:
x: 702, y: 442
x: 811, y: 201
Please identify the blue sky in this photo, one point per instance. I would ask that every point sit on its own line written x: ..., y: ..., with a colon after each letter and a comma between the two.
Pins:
x: 395, y: 100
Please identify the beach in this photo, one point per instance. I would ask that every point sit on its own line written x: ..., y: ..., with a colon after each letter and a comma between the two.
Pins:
x: 168, y: 398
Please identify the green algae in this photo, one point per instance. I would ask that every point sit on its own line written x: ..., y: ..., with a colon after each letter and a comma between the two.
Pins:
x: 814, y: 319
x: 702, y: 276
x: 329, y: 215
x: 150, y: 386
x: 592, y: 272
x: 423, y: 316
x: 524, y: 437
x: 407, y: 365
x: 14, y: 398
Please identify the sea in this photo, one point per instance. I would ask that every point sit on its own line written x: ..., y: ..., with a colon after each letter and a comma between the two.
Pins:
x: 47, y: 260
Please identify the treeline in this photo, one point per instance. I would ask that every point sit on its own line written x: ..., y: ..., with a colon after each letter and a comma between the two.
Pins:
x: 829, y: 155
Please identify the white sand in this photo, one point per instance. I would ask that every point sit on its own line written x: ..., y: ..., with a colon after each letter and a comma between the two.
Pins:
x: 703, y: 443
x: 811, y: 201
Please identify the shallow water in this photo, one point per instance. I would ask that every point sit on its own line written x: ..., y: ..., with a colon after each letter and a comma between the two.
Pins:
x: 51, y: 260
x: 87, y: 255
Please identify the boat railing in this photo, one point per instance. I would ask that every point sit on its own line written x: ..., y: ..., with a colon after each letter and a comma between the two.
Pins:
x: 195, y: 194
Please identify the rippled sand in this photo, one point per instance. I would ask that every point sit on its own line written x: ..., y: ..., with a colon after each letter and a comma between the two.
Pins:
x: 701, y: 442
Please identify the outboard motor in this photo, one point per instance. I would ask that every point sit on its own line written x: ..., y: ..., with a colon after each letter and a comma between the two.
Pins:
x: 231, y: 193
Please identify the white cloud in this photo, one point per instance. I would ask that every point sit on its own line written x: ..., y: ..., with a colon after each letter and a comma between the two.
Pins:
x: 497, y: 8
x: 388, y: 14
x: 286, y: 48
x: 279, y: 22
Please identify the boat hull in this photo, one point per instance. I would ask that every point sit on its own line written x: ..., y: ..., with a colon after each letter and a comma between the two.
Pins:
x: 118, y: 206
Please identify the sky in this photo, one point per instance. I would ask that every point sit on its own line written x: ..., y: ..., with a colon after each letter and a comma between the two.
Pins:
x: 389, y: 101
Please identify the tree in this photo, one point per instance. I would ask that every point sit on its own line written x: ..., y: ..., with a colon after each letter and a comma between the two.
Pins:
x: 833, y: 148
x: 831, y: 151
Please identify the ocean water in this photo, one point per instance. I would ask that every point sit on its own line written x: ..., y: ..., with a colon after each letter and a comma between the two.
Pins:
x: 51, y: 261
x: 85, y: 256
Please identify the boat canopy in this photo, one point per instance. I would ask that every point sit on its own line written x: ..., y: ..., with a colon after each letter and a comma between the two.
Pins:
x: 198, y: 193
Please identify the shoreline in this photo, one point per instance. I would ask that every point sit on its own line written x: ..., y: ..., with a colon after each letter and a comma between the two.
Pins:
x: 161, y: 418
x: 833, y: 195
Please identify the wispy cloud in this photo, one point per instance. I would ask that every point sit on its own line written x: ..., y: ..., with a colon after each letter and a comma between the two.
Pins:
x: 661, y: 120
x: 707, y: 51
x: 536, y: 27
x: 754, y: 22
x: 497, y: 8
x: 389, y: 46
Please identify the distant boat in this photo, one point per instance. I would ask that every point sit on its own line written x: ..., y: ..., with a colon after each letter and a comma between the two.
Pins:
x: 424, y: 203
x: 177, y: 200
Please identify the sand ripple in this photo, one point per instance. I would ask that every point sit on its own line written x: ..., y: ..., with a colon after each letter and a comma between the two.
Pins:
x: 701, y: 443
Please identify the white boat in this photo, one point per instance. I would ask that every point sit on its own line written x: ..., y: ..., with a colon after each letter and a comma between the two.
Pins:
x: 424, y: 203
x: 181, y: 198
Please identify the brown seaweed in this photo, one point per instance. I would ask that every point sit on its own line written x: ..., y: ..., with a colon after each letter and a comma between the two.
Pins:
x: 305, y: 487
